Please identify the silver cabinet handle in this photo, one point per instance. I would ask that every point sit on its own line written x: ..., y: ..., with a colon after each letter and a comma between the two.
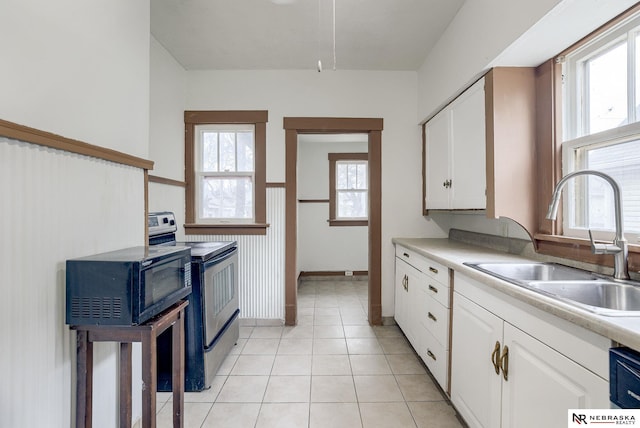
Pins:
x: 432, y: 288
x: 430, y: 315
x: 430, y: 354
x: 434, y: 270
x: 406, y: 255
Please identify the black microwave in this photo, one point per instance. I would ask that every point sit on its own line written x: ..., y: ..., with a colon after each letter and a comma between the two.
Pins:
x: 126, y: 287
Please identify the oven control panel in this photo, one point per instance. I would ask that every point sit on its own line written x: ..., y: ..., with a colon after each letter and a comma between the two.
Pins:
x: 161, y: 222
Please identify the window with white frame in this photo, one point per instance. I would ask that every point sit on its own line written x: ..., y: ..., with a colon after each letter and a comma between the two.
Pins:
x: 601, y: 130
x: 225, y: 173
x: 348, y: 188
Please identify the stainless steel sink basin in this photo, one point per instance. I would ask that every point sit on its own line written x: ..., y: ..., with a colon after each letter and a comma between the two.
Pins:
x: 601, y: 296
x: 525, y: 272
x: 577, y: 287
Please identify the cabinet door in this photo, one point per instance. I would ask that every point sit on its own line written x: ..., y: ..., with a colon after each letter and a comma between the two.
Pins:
x: 437, y: 135
x: 543, y: 384
x: 475, y: 386
x: 468, y: 149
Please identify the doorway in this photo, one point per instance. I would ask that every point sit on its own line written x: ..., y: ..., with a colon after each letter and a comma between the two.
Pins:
x: 373, y: 129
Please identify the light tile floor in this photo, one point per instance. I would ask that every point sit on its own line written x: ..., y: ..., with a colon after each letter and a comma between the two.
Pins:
x: 331, y: 370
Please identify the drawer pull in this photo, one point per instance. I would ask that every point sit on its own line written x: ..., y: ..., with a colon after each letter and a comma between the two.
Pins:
x: 432, y: 288
x: 430, y: 315
x: 430, y: 354
x: 434, y: 270
x: 406, y: 255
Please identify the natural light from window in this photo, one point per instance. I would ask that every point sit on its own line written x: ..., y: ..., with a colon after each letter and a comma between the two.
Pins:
x: 351, y: 189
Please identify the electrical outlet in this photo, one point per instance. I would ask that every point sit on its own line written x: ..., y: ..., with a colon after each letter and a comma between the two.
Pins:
x: 348, y: 273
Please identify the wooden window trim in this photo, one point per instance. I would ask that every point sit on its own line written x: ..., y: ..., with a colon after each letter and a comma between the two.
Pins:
x: 333, y: 158
x: 259, y: 119
x: 548, y: 238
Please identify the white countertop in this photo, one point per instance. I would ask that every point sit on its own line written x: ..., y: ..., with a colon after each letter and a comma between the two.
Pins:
x: 625, y: 330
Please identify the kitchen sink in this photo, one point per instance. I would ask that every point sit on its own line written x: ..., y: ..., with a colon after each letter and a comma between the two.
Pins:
x: 577, y: 287
x: 532, y: 271
x: 601, y: 296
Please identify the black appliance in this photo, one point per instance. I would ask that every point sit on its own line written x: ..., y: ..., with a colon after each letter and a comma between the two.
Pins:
x: 624, y: 378
x: 126, y: 287
x: 211, y: 319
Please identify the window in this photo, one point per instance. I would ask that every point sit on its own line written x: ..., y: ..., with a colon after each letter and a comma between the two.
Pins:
x: 348, y: 189
x: 225, y: 172
x: 601, y: 129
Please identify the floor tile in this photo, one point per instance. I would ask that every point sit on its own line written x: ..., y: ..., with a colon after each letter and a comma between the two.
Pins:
x: 418, y: 388
x: 369, y: 365
x: 405, y: 364
x: 253, y: 365
x: 261, y: 347
x: 295, y: 347
x: 332, y: 389
x: 388, y: 331
x: 288, y: 389
x: 329, y: 346
x: 359, y: 331
x: 327, y: 320
x: 266, y: 333
x: 283, y: 415
x: 363, y: 346
x: 298, y: 332
x: 243, y: 389
x: 245, y: 332
x: 334, y: 415
x: 323, y: 365
x: 429, y: 414
x: 395, y: 345
x: 386, y: 415
x: 227, y: 365
x: 328, y: 332
x: 208, y: 395
x: 291, y: 365
x: 194, y: 415
x: 377, y: 389
x: 232, y: 415
x: 237, y: 348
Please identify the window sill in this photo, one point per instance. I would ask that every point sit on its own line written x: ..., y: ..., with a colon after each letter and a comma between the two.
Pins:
x: 580, y: 249
x: 348, y: 222
x: 226, y: 229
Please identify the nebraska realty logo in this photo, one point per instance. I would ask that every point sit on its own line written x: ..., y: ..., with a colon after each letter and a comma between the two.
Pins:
x: 599, y: 417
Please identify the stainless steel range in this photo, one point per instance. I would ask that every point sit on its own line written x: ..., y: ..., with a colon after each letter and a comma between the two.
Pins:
x: 211, y: 319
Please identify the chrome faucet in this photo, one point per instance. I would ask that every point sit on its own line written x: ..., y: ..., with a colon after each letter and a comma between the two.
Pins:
x: 619, y: 245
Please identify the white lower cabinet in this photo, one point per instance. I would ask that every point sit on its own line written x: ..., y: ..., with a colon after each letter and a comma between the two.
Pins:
x: 422, y: 309
x: 501, y: 376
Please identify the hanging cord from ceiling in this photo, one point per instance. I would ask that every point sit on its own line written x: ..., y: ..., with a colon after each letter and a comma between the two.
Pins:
x: 333, y: 10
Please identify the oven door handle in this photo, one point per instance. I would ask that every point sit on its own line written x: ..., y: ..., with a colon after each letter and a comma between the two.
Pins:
x: 220, y: 258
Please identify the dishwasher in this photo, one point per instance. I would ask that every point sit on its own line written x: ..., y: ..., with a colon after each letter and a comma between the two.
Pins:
x: 624, y: 378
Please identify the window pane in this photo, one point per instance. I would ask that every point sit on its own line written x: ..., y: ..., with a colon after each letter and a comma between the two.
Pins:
x: 245, y: 151
x: 607, y: 89
x: 210, y: 151
x: 227, y: 151
x: 227, y: 198
x: 622, y: 162
x: 352, y: 204
x: 362, y: 176
x: 637, y: 79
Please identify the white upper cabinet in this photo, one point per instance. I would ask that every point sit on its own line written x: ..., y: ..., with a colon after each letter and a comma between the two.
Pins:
x: 455, y: 141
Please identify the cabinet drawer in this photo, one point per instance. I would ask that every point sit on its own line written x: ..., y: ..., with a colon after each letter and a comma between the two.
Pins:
x: 438, y: 291
x: 425, y: 265
x: 436, y: 358
x: 436, y: 321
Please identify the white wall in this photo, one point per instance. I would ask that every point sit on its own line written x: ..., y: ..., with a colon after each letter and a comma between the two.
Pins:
x: 387, y: 95
x: 80, y: 70
x: 166, y: 132
x: 321, y: 247
x: 487, y: 33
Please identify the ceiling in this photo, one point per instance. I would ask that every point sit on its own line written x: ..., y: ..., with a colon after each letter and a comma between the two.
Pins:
x: 295, y: 34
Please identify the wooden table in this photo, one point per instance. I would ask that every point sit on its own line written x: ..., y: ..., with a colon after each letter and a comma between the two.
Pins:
x: 146, y: 334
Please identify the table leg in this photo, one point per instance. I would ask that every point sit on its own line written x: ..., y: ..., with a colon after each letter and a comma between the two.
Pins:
x: 149, y: 381
x: 177, y: 377
x: 125, y: 385
x: 84, y: 374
